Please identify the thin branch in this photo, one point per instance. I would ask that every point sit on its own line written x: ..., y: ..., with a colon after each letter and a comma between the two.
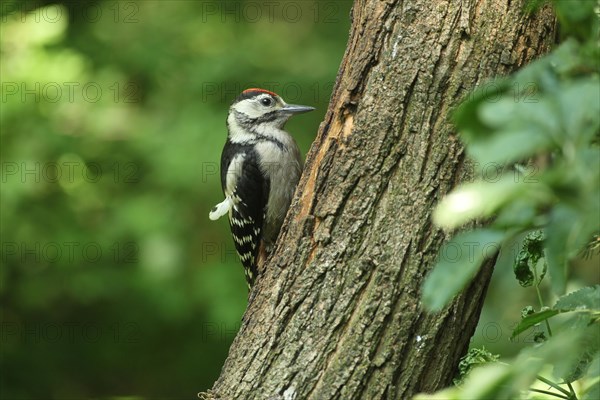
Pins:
x: 539, y: 295
x: 573, y: 394
x: 554, y: 385
x: 549, y: 393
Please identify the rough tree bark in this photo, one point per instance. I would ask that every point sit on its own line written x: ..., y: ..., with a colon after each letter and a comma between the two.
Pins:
x: 336, y: 314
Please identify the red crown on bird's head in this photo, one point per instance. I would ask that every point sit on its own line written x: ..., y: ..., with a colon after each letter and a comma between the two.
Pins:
x: 259, y: 90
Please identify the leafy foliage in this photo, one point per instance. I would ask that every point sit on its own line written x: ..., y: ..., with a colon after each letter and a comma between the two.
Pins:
x: 475, y: 357
x: 533, y: 319
x: 459, y: 261
x: 496, y: 380
x: 545, y: 119
x: 557, y: 129
x: 585, y: 300
x: 526, y: 263
x: 592, y: 391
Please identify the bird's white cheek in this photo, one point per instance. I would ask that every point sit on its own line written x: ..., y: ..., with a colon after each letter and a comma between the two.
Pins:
x: 249, y: 109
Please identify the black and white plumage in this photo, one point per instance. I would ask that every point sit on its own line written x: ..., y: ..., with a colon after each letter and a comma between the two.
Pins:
x: 260, y: 169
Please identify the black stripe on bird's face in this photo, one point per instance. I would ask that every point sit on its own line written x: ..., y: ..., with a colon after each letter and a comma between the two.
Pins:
x: 249, y: 123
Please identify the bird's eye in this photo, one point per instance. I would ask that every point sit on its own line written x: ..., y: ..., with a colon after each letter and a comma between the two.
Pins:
x: 266, y: 101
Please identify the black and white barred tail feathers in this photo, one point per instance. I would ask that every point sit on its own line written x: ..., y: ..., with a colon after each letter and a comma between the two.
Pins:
x: 248, y: 189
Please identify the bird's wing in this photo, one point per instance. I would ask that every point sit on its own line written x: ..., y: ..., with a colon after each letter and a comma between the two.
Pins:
x: 248, y: 189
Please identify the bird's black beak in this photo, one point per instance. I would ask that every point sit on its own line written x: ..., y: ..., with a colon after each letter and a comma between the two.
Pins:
x: 295, y: 109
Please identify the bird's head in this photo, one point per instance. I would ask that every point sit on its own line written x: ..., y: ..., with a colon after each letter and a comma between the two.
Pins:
x: 259, y: 108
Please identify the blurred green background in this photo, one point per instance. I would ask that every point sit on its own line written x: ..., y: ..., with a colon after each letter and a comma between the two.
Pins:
x: 113, y: 280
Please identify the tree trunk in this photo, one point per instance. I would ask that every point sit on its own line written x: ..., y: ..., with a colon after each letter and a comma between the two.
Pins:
x: 336, y: 314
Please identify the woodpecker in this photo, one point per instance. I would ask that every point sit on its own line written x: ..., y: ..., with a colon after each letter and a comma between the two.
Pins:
x: 260, y: 169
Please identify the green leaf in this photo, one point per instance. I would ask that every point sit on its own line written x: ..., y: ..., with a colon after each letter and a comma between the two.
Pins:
x: 559, y: 350
x: 519, y: 213
x: 475, y: 200
x: 567, y: 232
x: 510, y: 146
x: 580, y: 109
x: 532, y: 320
x: 523, y: 272
x: 458, y: 262
x: 497, y: 381
x: 499, y: 113
x: 592, y: 392
x: 528, y: 310
x: 491, y: 381
x: 541, y: 73
x: 475, y: 357
x: 507, y: 381
x: 526, y: 109
x: 527, y: 260
x: 466, y: 115
x: 577, y: 18
x: 585, y: 299
x: 562, y: 224
x: 586, y: 351
x: 566, y: 59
